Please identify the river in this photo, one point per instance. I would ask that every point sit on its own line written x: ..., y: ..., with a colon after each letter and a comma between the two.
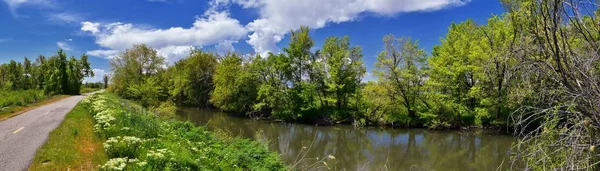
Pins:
x: 307, y: 146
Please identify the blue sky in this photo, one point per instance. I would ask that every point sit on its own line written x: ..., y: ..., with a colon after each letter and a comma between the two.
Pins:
x: 102, y: 28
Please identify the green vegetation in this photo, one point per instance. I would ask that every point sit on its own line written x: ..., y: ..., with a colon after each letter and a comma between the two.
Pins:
x: 55, y: 75
x: 22, y: 84
x: 72, y: 145
x: 534, y: 69
x: 139, y: 140
x: 16, y: 102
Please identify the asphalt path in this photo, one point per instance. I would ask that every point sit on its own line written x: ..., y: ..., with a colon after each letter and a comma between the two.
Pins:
x: 22, y: 135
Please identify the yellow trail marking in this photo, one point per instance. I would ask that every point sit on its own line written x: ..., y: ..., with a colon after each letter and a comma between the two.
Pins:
x: 14, y: 132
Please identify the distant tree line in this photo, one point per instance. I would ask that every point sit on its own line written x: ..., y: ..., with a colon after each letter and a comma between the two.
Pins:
x: 55, y: 75
x: 466, y: 81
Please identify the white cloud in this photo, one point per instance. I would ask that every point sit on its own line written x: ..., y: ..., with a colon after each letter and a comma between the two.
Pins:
x: 212, y: 28
x: 98, y: 76
x: 13, y: 5
x: 278, y: 17
x: 108, y: 54
x: 174, y: 53
x: 225, y: 47
x: 63, y: 45
x: 64, y: 18
x: 90, y: 27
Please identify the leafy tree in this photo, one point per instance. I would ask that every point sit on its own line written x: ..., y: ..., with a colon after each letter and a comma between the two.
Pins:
x: 344, y: 70
x: 399, y: 69
x: 235, y: 85
x: 456, y: 72
x: 191, y: 79
x: 133, y: 67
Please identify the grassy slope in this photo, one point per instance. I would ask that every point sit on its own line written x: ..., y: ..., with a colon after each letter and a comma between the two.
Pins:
x: 71, y: 146
x: 15, y: 110
x: 75, y: 145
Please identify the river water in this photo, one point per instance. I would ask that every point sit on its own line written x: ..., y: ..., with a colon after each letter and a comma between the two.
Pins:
x: 308, y: 147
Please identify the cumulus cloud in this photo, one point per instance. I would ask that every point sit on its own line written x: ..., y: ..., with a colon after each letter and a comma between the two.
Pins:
x: 212, y: 28
x: 98, y: 76
x: 63, y: 45
x: 174, y: 53
x: 90, y: 27
x: 278, y: 17
x: 225, y: 47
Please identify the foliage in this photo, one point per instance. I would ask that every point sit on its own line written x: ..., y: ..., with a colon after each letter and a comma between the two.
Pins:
x: 399, y: 68
x: 190, y: 80
x: 20, y: 97
x: 55, y: 75
x: 139, y: 140
x: 235, y: 85
x: 133, y: 69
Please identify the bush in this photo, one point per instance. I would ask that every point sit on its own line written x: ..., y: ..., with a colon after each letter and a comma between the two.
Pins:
x: 166, y: 109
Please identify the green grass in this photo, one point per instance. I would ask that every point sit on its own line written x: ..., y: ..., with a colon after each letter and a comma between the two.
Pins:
x: 105, y: 132
x: 71, y: 146
x: 88, y: 90
x: 13, y: 103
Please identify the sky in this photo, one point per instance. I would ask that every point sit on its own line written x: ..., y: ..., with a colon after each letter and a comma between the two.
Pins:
x: 103, y: 28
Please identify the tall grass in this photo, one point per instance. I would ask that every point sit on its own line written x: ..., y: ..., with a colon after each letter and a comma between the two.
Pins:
x: 139, y: 140
x: 20, y: 97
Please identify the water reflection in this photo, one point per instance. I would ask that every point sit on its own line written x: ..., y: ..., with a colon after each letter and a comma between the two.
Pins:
x: 368, y: 148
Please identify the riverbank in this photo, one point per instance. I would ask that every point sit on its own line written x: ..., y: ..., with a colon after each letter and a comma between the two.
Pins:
x: 137, y: 139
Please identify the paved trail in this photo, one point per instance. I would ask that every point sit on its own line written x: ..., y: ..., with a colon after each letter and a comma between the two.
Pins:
x: 22, y: 135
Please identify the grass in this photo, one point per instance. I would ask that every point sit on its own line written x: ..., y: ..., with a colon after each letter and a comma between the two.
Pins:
x: 13, y: 103
x: 71, y: 146
x: 105, y: 132
x: 88, y: 90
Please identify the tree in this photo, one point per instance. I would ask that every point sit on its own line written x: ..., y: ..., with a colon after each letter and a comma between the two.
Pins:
x: 133, y: 67
x: 344, y: 70
x: 235, y: 85
x: 191, y: 79
x: 105, y: 80
x: 456, y: 73
x: 399, y: 69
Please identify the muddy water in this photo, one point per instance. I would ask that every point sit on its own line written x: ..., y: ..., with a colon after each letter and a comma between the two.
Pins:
x: 307, y: 147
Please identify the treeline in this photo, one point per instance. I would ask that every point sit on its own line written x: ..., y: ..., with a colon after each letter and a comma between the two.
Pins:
x: 466, y: 81
x: 54, y: 75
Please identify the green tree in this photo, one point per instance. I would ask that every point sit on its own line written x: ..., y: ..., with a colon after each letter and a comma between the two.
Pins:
x: 456, y: 72
x: 344, y: 71
x: 133, y: 67
x: 399, y: 67
x: 235, y: 84
x: 190, y: 80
